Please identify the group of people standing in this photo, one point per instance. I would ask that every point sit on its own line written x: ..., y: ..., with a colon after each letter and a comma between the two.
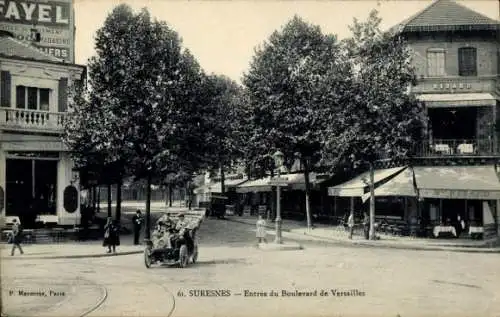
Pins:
x: 112, y: 232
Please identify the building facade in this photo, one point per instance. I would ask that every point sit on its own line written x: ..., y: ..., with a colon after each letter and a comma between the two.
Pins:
x: 452, y: 180
x: 37, y: 180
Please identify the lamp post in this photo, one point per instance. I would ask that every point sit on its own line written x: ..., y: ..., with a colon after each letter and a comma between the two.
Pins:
x: 278, y: 161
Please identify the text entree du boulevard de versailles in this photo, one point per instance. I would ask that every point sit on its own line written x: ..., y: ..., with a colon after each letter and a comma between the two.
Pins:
x: 271, y: 293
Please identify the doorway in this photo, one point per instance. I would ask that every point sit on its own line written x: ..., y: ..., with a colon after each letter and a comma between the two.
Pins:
x: 31, y: 188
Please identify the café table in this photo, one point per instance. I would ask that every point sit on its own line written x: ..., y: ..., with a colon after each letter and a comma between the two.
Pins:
x: 444, y: 229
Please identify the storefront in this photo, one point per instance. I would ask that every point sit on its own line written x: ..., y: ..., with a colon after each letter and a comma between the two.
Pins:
x: 457, y: 199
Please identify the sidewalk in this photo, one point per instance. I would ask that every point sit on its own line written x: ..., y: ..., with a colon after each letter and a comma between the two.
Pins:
x: 335, y: 234
x: 92, y: 249
x: 86, y: 249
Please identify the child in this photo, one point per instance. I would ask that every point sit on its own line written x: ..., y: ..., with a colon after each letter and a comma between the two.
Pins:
x: 261, y: 230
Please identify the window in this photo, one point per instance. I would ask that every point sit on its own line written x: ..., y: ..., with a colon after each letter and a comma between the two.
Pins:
x: 467, y: 61
x: 436, y: 63
x: 32, y: 98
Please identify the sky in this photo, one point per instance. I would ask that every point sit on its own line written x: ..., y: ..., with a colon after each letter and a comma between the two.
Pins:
x: 222, y: 35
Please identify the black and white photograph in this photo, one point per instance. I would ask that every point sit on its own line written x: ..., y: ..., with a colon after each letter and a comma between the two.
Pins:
x: 240, y: 158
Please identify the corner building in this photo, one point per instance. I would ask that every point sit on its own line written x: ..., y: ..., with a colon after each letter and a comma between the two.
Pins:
x: 37, y: 181
x: 454, y: 173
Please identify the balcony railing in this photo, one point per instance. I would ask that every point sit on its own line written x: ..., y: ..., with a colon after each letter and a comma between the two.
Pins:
x: 31, y: 120
x: 439, y: 148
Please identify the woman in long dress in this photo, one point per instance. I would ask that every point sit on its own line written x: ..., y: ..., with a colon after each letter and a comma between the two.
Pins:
x: 111, y: 235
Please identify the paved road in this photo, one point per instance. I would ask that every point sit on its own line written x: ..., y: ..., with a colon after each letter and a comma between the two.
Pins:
x: 381, y: 282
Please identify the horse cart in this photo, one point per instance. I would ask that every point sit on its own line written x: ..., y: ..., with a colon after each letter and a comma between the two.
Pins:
x: 173, y: 247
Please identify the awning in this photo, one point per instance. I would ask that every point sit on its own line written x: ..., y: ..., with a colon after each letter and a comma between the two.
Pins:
x: 401, y: 185
x: 297, y: 181
x: 255, y: 186
x: 458, y: 182
x: 358, y: 185
x: 457, y: 100
x: 216, y: 187
x: 448, y: 182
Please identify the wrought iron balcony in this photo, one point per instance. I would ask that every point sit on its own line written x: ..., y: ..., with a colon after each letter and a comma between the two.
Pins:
x: 450, y: 148
x: 31, y: 120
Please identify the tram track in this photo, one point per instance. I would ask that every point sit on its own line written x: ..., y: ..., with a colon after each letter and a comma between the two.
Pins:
x: 131, y: 272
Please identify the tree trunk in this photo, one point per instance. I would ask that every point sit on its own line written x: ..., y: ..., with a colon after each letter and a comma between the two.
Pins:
x: 109, y: 200
x: 170, y: 193
x: 222, y: 187
x: 94, y: 198
x: 308, y: 190
x: 118, y: 215
x: 372, y: 203
x: 147, y: 235
x: 99, y: 199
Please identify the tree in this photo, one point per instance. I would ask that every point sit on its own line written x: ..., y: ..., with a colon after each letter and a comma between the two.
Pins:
x: 147, y: 90
x: 223, y: 122
x: 294, y: 84
x: 382, y: 119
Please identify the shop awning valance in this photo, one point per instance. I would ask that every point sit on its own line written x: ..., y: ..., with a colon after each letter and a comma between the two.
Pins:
x: 255, y: 186
x: 357, y: 186
x: 216, y: 187
x: 295, y: 181
x: 458, y: 182
x: 458, y: 100
x: 445, y: 182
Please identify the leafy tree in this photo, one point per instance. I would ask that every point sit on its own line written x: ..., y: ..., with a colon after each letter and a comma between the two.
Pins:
x: 223, y: 123
x: 147, y: 88
x: 382, y: 119
x: 294, y: 85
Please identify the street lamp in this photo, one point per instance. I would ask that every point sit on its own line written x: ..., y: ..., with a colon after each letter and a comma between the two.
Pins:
x: 278, y: 161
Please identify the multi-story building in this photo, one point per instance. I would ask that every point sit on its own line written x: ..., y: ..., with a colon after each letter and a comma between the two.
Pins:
x: 36, y: 171
x: 456, y: 54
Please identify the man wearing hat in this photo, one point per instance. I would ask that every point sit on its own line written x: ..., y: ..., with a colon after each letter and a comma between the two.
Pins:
x: 137, y: 220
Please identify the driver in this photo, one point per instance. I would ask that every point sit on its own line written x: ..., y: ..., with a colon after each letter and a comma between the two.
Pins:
x: 181, y: 223
x: 168, y: 222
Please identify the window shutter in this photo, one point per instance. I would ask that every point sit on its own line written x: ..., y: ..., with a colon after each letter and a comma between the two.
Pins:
x: 5, y: 83
x: 467, y: 61
x: 63, y: 95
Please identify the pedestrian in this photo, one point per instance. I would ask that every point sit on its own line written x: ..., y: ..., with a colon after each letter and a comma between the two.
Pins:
x: 350, y: 224
x: 261, y: 230
x: 16, y: 237
x: 137, y: 221
x: 366, y: 226
x: 111, y: 235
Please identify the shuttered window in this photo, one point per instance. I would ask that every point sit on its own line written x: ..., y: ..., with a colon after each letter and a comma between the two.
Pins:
x: 5, y: 84
x: 467, y: 61
x: 436, y: 63
x: 63, y: 95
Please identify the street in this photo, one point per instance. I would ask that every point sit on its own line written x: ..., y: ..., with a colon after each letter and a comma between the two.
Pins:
x: 341, y: 281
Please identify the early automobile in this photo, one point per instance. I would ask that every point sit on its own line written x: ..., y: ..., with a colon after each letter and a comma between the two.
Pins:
x: 172, y: 247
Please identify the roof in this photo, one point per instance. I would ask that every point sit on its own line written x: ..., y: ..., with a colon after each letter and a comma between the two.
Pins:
x: 12, y: 47
x: 447, y: 15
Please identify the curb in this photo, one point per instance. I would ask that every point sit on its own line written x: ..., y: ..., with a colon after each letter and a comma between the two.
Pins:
x: 467, y: 249
x: 403, y: 247
x: 250, y: 224
x: 75, y: 256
